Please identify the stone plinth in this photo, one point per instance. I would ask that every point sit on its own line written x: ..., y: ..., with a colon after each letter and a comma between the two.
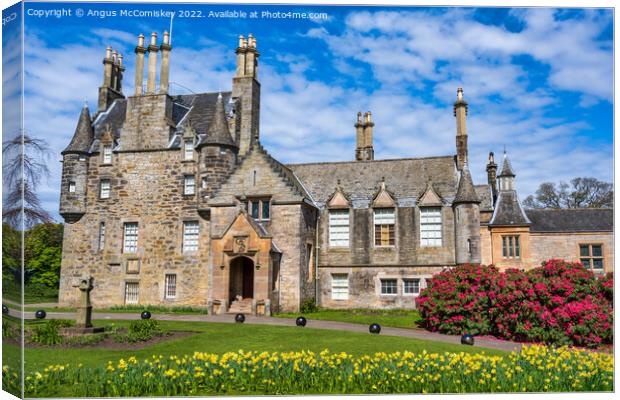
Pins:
x: 80, y: 330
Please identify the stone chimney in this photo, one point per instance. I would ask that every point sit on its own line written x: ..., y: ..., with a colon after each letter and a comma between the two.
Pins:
x: 246, y: 93
x: 112, y: 77
x: 152, y: 66
x: 164, y: 75
x: 460, y: 112
x: 120, y: 71
x: 492, y: 175
x: 359, y: 137
x: 364, y: 150
x: 140, y: 51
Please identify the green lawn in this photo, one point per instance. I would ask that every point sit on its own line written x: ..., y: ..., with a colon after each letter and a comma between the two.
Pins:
x: 221, y: 337
x: 391, y: 318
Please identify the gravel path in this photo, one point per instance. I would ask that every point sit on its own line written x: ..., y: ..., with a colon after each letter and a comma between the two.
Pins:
x: 484, y: 342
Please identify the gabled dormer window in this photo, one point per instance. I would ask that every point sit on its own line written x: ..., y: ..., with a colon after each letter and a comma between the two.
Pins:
x: 384, y: 223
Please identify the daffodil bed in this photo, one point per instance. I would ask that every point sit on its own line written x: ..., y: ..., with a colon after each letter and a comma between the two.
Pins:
x: 534, y: 369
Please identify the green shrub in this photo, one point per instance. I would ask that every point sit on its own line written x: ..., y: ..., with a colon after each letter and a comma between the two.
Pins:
x: 160, y: 309
x: 309, y: 306
x: 86, y: 339
x: 141, y: 330
x: 49, y: 332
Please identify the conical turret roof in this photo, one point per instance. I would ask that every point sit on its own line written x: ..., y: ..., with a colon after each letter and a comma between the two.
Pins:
x: 84, y: 134
x: 218, y: 132
x: 466, y: 193
x: 506, y: 167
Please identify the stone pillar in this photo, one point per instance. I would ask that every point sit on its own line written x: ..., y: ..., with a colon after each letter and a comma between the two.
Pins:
x: 152, y: 67
x: 140, y: 51
x: 164, y: 76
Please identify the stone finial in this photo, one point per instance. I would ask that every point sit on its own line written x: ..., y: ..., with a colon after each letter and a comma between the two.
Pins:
x: 154, y: 39
x: 166, y: 37
x: 141, y: 40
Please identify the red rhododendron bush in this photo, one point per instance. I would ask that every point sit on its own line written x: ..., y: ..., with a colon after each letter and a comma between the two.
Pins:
x: 559, y: 302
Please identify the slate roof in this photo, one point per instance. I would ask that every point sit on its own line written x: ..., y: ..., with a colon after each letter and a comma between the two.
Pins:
x: 506, y: 168
x: 218, y: 132
x: 508, y: 210
x: 571, y: 220
x: 197, y: 108
x: 466, y: 192
x: 485, y: 194
x: 406, y: 178
x: 83, y: 135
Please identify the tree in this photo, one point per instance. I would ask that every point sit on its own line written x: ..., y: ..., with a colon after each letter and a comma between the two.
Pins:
x: 24, y: 164
x: 43, y: 252
x: 581, y: 193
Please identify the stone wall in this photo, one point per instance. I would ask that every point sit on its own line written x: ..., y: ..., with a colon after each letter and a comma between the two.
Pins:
x: 365, y: 286
x: 147, y: 188
x: 544, y: 246
x: 407, y: 249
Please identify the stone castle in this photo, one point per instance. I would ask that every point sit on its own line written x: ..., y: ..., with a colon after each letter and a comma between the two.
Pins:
x: 172, y: 200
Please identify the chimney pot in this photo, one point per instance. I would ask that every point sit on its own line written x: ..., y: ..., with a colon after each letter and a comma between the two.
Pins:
x: 120, y: 59
x: 459, y: 94
x: 166, y: 37
x: 154, y: 39
x: 108, y: 52
x: 141, y: 40
x: 114, y: 56
x: 241, y: 41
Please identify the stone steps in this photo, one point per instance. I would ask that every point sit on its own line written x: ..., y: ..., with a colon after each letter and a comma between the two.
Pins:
x: 241, y: 306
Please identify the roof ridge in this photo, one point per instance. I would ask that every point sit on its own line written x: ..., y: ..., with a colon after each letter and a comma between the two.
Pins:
x: 370, y: 161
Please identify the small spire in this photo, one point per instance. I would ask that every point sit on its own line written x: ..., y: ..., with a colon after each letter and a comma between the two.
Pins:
x: 466, y: 193
x: 218, y: 132
x: 85, y: 105
x: 506, y: 167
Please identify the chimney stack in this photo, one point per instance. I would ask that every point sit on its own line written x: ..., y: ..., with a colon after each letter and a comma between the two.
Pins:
x: 152, y: 65
x: 246, y: 92
x: 460, y: 112
x: 363, y: 131
x: 114, y: 69
x: 247, y: 57
x: 164, y: 76
x: 492, y: 175
x: 120, y: 70
x: 107, y: 67
x: 140, y: 51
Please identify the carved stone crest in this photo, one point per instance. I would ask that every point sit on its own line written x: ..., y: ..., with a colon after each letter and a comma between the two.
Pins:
x: 240, y: 244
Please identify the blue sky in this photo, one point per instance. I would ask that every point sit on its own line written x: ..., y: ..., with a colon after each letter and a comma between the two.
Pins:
x: 538, y: 81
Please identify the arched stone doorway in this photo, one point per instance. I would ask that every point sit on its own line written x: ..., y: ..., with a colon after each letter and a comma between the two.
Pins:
x: 241, y: 278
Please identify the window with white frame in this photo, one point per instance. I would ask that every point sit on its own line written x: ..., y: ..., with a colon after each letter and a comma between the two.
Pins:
x: 384, y: 226
x: 191, y: 230
x: 130, y: 237
x: 104, y: 189
x: 411, y: 286
x: 388, y: 286
x: 71, y: 187
x: 188, y: 149
x: 189, y: 185
x: 132, y: 292
x: 107, y: 154
x: 339, y: 228
x: 101, y: 235
x: 340, y: 286
x: 170, y: 286
x: 430, y: 226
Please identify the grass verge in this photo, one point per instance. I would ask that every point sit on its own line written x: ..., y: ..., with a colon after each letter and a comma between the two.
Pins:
x: 388, y: 318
